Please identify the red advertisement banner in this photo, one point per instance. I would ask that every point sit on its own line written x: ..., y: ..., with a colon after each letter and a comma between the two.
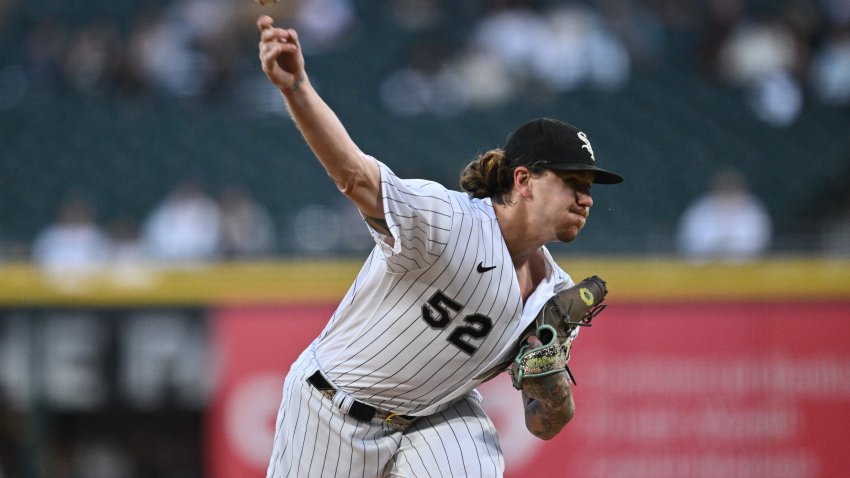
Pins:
x: 690, y: 390
x: 255, y: 347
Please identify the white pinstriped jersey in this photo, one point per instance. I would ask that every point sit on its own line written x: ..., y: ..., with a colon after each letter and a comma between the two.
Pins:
x: 434, y: 306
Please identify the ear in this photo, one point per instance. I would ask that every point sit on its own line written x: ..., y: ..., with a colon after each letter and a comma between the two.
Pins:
x: 522, y: 181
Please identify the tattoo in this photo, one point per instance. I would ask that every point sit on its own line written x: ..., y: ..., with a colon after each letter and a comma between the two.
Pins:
x: 548, y: 404
x: 549, y: 389
x: 543, y: 423
x: 378, y: 223
x: 296, y: 85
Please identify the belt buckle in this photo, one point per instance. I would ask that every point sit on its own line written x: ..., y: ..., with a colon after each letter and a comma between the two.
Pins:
x: 397, y: 421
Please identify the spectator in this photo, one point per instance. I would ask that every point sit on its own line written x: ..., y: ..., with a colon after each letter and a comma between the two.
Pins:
x: 514, y: 33
x: 721, y: 19
x: 208, y: 26
x: 484, y: 79
x: 325, y: 24
x: 566, y: 47
x: 426, y: 85
x: 638, y: 27
x: 184, y: 227
x: 727, y: 223
x: 89, y: 61
x: 166, y: 56
x: 74, y: 241
x: 247, y: 229
x: 831, y: 70
x: 763, y: 57
x: 416, y: 15
x: 581, y: 49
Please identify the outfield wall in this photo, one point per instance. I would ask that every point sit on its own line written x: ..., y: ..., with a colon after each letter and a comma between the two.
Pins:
x: 302, y: 281
x: 713, y: 370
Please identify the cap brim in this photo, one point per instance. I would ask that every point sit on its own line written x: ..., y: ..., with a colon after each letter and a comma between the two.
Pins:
x: 601, y: 176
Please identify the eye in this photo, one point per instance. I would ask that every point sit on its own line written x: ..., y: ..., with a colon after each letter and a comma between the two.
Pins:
x: 578, y: 185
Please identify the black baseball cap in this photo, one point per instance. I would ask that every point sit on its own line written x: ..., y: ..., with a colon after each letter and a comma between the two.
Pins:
x: 555, y: 145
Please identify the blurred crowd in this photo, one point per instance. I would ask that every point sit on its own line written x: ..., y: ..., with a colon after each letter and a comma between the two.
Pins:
x: 190, y: 227
x: 783, y: 52
x: 179, y: 48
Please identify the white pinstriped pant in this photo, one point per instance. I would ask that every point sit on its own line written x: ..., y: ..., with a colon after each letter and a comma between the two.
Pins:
x: 314, y: 438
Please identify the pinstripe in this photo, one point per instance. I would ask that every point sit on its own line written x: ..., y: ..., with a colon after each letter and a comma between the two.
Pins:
x: 302, y: 444
x: 437, y: 463
x: 472, y: 439
x: 363, y: 446
x: 300, y: 438
x: 347, y: 377
x: 351, y: 297
x: 326, y: 430
x: 339, y: 446
x: 442, y: 443
x: 421, y: 210
x: 292, y: 440
x: 297, y: 418
x: 459, y: 448
x: 364, y: 337
x: 496, y: 450
x: 399, y: 315
x: 418, y: 227
x: 424, y: 349
x: 468, y: 376
x: 420, y: 185
x: 315, y: 438
x: 277, y: 438
x: 410, y: 464
x: 414, y: 334
x: 422, y: 297
x: 453, y: 429
x: 354, y: 436
x: 412, y: 470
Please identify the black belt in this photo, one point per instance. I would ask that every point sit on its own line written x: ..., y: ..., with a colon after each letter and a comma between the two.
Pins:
x: 360, y: 410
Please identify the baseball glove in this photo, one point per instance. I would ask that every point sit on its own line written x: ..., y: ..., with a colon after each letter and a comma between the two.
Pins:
x: 556, y: 326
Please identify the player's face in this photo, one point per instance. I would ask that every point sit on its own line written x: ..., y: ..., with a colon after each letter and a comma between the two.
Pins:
x: 568, y: 201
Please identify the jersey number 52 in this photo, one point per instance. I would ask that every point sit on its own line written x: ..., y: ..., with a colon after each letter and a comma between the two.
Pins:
x: 475, y: 326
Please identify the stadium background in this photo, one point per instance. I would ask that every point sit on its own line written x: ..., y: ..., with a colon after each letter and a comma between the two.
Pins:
x: 697, y: 369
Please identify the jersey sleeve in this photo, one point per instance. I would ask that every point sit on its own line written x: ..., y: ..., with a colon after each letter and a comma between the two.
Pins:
x: 419, y: 216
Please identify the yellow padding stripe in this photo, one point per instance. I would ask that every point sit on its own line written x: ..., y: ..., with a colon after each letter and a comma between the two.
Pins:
x: 302, y: 281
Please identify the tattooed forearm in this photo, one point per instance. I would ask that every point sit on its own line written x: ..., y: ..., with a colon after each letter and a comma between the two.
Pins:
x: 551, y: 389
x: 548, y: 405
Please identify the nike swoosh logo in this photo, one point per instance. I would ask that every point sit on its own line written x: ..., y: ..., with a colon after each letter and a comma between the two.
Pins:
x: 481, y: 269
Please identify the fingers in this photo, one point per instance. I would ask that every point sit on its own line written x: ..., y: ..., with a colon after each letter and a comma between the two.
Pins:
x: 280, y: 54
x: 293, y: 37
x: 268, y: 56
x: 264, y: 22
x: 274, y: 41
x: 534, y: 341
x: 268, y: 33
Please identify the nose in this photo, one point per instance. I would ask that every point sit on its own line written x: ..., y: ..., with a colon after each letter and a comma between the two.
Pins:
x: 584, y: 199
